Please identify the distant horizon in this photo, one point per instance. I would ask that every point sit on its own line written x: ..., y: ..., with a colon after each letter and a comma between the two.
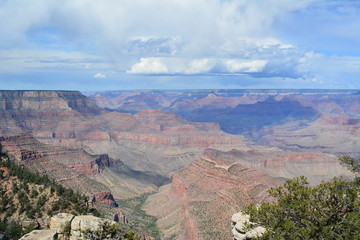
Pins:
x: 189, y: 89
x: 215, y: 44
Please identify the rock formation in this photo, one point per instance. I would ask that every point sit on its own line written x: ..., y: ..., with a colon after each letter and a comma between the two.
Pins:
x: 48, y: 234
x: 104, y: 198
x: 120, y: 217
x: 243, y: 229
x: 202, y: 196
x: 67, y: 225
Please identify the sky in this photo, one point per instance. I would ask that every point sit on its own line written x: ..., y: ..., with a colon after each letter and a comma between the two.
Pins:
x: 92, y: 45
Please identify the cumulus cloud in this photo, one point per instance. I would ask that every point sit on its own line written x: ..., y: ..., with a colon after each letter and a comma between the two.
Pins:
x: 174, y: 66
x: 198, y: 66
x: 173, y: 37
x: 149, y: 66
x: 99, y: 75
x: 245, y: 66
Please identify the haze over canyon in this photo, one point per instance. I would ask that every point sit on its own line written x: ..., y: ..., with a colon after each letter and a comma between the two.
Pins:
x: 202, y: 155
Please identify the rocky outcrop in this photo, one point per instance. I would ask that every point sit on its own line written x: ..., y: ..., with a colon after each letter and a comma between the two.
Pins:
x: 48, y: 234
x: 65, y: 225
x: 104, y: 198
x: 243, y: 229
x: 61, y: 223
x: 82, y: 223
x: 120, y: 217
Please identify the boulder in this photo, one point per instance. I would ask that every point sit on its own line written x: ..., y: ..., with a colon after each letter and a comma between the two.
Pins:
x: 243, y: 229
x: 87, y: 222
x: 30, y: 223
x: 68, y: 226
x: 60, y: 221
x: 48, y: 234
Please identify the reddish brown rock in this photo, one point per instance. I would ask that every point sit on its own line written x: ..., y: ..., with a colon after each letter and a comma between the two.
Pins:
x: 57, y: 162
x: 146, y: 237
x: 202, y: 196
x: 104, y: 198
x: 120, y: 217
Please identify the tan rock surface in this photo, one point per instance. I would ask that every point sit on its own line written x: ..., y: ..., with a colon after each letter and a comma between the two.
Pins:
x: 59, y: 222
x: 40, y: 235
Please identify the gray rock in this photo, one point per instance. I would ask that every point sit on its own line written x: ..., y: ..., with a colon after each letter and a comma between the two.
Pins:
x: 243, y: 229
x: 30, y: 222
x: 59, y: 221
x: 48, y: 234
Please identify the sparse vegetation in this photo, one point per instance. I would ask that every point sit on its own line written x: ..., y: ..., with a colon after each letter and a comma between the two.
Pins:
x: 138, y: 219
x: 113, y: 231
x: 28, y: 195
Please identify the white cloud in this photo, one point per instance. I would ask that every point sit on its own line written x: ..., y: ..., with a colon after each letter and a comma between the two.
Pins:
x: 168, y: 37
x: 203, y: 65
x: 99, y: 75
x: 173, y: 66
x: 149, y: 66
x: 238, y: 66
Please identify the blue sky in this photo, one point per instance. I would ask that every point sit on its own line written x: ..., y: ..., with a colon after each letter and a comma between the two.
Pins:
x: 91, y: 45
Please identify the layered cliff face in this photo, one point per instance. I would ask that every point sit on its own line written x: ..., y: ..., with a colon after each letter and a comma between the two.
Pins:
x: 202, y: 196
x: 69, y: 167
x: 298, y: 120
x: 145, y: 148
x: 150, y: 144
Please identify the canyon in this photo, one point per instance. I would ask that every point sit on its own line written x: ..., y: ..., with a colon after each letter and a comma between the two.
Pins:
x: 298, y: 120
x: 202, y: 154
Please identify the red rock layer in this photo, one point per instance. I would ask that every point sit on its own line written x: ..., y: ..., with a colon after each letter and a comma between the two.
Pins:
x: 69, y: 119
x: 205, y: 194
x: 120, y: 217
x: 104, y: 198
x: 67, y: 166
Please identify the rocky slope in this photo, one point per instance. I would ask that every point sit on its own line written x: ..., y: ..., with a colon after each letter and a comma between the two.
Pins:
x: 28, y: 200
x: 69, y: 167
x: 202, y: 196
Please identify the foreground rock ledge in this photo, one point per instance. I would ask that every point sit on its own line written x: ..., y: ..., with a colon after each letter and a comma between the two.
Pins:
x: 243, y: 229
x: 65, y: 223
